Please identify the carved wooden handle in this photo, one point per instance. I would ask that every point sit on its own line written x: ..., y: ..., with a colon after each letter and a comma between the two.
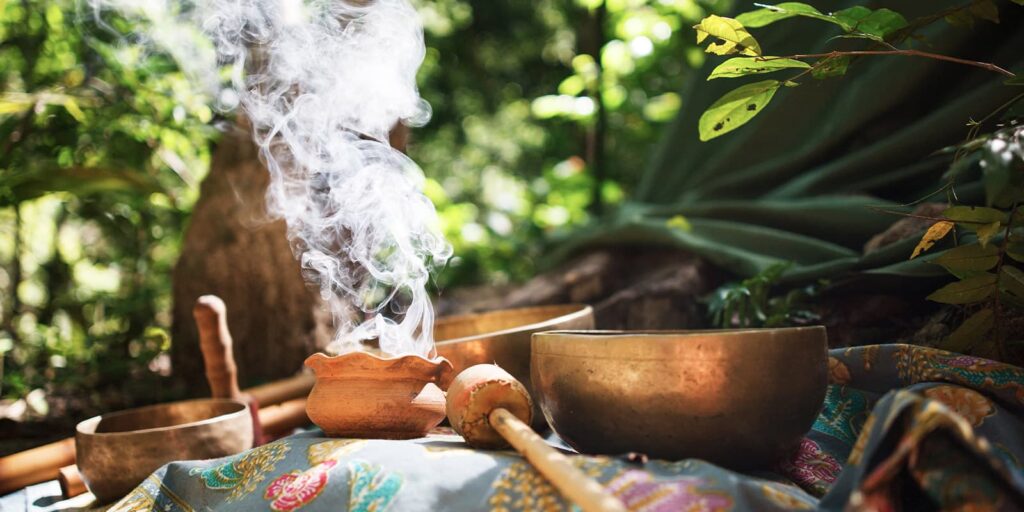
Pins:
x: 215, y: 342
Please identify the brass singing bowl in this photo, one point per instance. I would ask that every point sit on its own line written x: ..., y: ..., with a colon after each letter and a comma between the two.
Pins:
x: 736, y: 398
x: 117, y: 451
x: 502, y: 337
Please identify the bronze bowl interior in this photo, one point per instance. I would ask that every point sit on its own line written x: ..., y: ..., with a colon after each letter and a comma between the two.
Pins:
x: 736, y: 398
x: 117, y: 451
x: 502, y: 337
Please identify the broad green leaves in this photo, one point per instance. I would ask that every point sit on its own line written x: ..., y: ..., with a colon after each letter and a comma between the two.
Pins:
x: 1011, y: 279
x: 967, y: 291
x: 830, y: 67
x: 743, y: 66
x: 968, y: 258
x: 735, y: 108
x: 857, y: 20
x: 733, y: 38
x: 769, y: 14
x: 972, y: 330
x: 974, y: 214
x: 879, y: 23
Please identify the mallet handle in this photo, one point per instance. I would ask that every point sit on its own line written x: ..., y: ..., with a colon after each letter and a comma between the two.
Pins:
x: 215, y: 341
x: 569, y: 480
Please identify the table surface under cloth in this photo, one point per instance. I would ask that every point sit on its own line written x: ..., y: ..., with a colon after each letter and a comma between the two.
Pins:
x: 901, y: 425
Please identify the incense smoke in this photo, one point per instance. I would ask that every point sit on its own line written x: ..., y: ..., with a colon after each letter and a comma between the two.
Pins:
x: 322, y: 82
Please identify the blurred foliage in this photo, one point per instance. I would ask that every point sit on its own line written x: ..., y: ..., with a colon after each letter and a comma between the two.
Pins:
x: 101, y: 147
x: 103, y: 143
x: 517, y: 90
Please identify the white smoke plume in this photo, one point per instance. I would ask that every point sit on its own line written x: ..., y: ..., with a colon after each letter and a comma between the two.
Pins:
x: 322, y: 83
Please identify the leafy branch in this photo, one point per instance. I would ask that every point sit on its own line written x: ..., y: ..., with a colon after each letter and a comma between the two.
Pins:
x: 881, y: 27
x: 986, y: 264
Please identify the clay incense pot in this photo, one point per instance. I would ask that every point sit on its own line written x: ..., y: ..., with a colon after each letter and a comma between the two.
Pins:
x: 367, y: 396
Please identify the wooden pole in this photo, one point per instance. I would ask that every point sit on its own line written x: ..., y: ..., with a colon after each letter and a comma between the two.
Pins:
x: 36, y: 465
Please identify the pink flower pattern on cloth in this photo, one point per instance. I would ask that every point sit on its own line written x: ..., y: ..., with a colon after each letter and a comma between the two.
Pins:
x: 639, y: 491
x: 293, y: 490
x: 811, y: 468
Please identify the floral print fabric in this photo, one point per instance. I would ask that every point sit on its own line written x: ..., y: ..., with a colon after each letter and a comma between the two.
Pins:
x: 902, y: 428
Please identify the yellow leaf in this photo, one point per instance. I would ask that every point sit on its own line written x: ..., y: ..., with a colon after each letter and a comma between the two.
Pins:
x: 935, y: 233
x: 679, y: 222
x: 734, y: 38
x: 986, y: 232
x: 72, y: 107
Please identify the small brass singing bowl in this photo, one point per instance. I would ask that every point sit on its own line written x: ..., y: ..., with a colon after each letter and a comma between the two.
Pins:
x: 117, y: 451
x: 502, y: 337
x: 736, y: 398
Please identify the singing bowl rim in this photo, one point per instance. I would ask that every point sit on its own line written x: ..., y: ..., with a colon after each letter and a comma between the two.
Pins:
x: 561, y: 342
x: 88, y: 427
x: 572, y: 311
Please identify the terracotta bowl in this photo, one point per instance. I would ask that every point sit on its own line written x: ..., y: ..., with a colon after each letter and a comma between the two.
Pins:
x: 368, y: 396
x: 502, y: 337
x: 117, y: 451
x: 737, y: 398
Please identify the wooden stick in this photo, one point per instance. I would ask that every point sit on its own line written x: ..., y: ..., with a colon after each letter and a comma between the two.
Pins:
x: 573, y: 483
x: 36, y: 465
x: 283, y: 418
x: 280, y: 391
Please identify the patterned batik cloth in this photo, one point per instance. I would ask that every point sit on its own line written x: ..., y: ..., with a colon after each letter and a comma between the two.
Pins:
x: 903, y: 428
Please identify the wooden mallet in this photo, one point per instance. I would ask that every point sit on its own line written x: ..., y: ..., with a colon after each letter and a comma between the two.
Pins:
x: 491, y: 409
x: 211, y: 315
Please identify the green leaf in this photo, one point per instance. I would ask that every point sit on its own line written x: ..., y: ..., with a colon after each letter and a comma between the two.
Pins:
x: 968, y: 258
x: 743, y: 66
x: 961, y: 18
x: 860, y: 20
x: 988, y: 231
x: 733, y: 37
x: 735, y: 108
x: 975, y: 215
x: 986, y: 10
x: 879, y: 23
x: 967, y: 291
x: 1015, y: 250
x: 970, y: 332
x: 831, y: 66
x: 1011, y: 279
x: 771, y: 13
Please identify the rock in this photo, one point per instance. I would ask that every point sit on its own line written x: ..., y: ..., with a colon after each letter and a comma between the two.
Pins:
x: 906, y: 227
x: 637, y: 288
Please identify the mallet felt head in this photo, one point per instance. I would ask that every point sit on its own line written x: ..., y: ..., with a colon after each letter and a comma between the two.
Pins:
x: 477, y: 391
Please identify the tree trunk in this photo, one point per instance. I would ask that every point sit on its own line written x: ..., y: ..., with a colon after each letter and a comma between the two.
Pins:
x: 231, y: 250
